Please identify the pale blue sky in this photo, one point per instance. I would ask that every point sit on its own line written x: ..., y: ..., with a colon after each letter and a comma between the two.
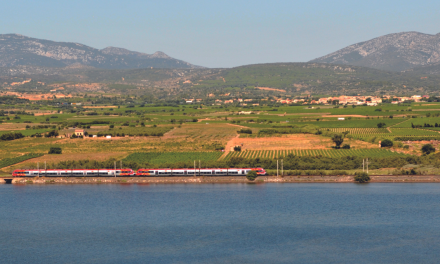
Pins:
x: 220, y: 33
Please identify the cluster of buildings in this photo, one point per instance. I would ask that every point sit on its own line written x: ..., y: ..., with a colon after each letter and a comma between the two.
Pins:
x: 355, y: 100
x: 341, y: 100
x: 414, y: 98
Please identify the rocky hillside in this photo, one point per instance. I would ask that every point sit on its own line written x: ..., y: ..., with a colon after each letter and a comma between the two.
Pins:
x: 18, y: 50
x: 393, y: 52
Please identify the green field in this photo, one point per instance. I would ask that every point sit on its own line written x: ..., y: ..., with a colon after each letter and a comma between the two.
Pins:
x: 11, y: 161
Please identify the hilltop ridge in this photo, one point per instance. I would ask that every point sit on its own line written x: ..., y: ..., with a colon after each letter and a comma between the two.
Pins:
x: 392, y: 52
x: 18, y: 50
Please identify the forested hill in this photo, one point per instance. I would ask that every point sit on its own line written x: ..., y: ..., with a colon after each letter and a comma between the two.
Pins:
x: 293, y: 78
x: 321, y: 78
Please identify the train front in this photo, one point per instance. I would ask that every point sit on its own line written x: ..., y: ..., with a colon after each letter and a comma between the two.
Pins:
x: 18, y: 173
x: 260, y: 172
x: 126, y: 172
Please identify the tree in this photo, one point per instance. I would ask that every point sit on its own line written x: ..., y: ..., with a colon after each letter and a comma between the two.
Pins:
x: 427, y: 149
x: 338, y: 139
x: 52, y: 133
x: 251, y: 175
x: 381, y: 125
x: 362, y: 177
x: 55, y: 150
x: 237, y: 148
x: 386, y: 143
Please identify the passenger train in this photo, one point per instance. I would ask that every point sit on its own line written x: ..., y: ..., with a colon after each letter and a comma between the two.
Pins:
x: 139, y: 173
x: 74, y: 173
x: 199, y: 172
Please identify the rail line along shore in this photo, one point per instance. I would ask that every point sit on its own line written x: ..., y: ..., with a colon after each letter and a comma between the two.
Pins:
x: 221, y: 179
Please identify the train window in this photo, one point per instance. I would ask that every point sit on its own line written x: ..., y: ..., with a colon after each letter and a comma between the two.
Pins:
x: 233, y: 172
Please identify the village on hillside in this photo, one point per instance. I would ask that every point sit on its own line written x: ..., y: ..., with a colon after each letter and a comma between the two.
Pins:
x: 338, y: 100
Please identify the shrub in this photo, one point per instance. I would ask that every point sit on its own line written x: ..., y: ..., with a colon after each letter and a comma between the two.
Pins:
x: 55, y: 150
x: 362, y: 177
x: 381, y: 125
x: 251, y: 175
x: 244, y: 131
x: 346, y: 146
x: 386, y: 143
x: 427, y: 149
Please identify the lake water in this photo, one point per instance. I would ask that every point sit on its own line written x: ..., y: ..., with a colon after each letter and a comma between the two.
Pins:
x: 220, y: 223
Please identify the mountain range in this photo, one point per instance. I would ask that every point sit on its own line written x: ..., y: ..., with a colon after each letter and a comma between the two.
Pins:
x: 17, y: 50
x: 399, y: 52
x: 394, y: 52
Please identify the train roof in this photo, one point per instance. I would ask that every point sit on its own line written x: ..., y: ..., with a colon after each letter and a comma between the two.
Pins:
x: 203, y: 169
x: 72, y: 169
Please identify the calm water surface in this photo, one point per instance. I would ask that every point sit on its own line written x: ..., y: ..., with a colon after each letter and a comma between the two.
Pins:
x: 230, y: 223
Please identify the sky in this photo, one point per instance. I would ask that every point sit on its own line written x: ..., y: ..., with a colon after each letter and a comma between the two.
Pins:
x: 222, y: 33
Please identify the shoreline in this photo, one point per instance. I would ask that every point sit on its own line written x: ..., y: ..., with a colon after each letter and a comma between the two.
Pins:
x: 222, y: 179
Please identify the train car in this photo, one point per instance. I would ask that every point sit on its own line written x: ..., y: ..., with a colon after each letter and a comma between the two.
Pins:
x: 74, y: 173
x: 198, y: 172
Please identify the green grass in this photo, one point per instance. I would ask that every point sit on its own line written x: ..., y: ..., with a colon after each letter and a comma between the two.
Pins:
x: 27, y: 132
x: 11, y: 161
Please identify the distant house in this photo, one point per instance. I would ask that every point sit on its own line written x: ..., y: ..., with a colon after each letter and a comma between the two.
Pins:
x: 79, y: 132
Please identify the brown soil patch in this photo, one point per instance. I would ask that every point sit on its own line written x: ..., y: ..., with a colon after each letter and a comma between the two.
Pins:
x: 344, y: 116
x: 271, y: 89
x: 109, y: 106
x: 12, y: 126
x: 426, y: 109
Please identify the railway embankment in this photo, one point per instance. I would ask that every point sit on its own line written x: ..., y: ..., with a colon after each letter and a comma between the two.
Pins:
x: 223, y: 179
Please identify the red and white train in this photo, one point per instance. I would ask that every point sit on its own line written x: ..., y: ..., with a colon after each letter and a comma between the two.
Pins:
x: 74, y: 173
x: 139, y: 173
x: 199, y: 172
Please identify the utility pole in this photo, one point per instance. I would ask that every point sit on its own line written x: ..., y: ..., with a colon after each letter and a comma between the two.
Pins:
x: 194, y: 168
x: 115, y: 169
x: 277, y: 168
x: 38, y: 168
x: 363, y: 165
x: 121, y: 164
x: 45, y: 170
x: 199, y: 167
